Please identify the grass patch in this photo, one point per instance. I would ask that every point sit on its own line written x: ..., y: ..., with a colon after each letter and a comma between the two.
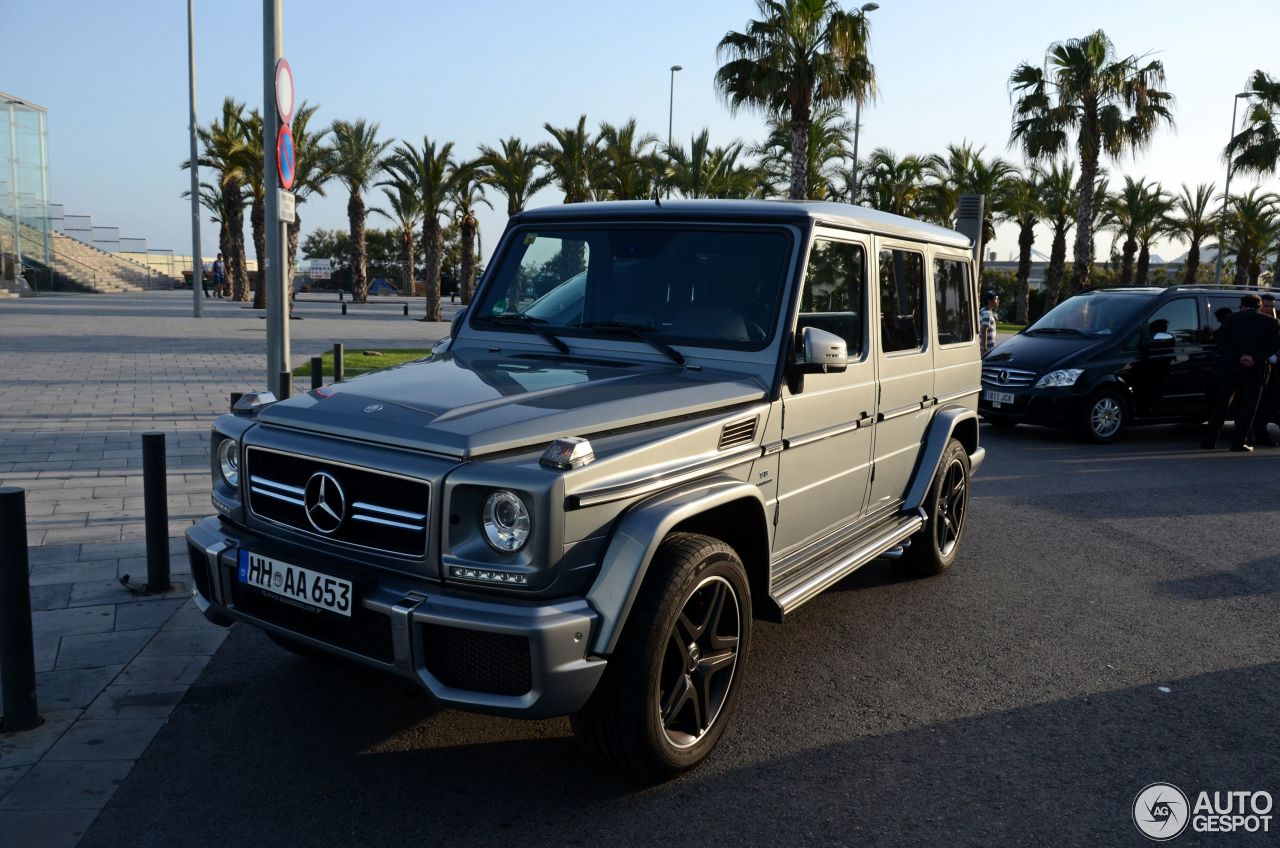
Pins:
x: 361, y: 361
x: 1002, y: 327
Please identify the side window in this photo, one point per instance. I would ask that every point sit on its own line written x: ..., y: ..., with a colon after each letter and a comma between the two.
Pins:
x: 1178, y: 318
x: 902, y: 300
x: 953, y: 297
x: 835, y: 292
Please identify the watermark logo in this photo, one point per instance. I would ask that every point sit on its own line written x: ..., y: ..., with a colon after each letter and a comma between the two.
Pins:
x: 1160, y: 811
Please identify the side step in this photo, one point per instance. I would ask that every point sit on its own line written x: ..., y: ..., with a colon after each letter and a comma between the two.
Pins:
x: 886, y: 540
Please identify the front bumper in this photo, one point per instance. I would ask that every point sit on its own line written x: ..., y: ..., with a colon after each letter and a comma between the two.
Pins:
x: 1056, y: 407
x: 510, y: 658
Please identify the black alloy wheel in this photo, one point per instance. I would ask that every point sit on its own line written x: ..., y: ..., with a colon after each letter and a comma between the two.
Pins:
x: 698, y: 666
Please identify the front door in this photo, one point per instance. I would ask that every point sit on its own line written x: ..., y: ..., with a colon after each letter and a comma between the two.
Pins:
x: 1171, y: 374
x: 825, y: 462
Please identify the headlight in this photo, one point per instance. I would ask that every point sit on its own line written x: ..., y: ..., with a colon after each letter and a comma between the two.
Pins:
x: 1055, y: 379
x: 506, y: 521
x: 229, y: 462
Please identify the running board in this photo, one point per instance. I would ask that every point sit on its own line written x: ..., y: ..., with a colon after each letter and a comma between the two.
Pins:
x: 885, y: 540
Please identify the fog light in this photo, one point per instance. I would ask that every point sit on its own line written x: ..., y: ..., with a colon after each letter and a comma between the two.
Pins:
x: 485, y: 575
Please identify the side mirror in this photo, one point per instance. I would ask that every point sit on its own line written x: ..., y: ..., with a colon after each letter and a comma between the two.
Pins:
x: 822, y: 352
x: 1162, y: 337
x: 456, y: 323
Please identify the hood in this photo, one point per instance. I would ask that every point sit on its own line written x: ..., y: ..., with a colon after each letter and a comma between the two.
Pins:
x: 1042, y: 353
x: 470, y: 403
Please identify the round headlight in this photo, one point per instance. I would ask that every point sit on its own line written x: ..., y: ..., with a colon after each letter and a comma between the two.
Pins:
x: 229, y: 462
x: 506, y: 521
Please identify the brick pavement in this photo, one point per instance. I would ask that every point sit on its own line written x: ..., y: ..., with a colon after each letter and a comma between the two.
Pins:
x: 81, y: 377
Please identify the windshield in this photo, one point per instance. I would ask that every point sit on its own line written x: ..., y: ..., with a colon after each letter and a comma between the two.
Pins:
x: 1099, y: 313
x: 667, y: 284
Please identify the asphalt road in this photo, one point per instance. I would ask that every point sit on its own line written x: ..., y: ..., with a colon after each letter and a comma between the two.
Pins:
x: 1112, y: 622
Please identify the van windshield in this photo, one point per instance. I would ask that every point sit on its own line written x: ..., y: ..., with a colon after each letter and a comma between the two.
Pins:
x: 1099, y: 313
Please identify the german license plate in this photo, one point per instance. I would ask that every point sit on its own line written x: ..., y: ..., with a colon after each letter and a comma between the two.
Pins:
x: 293, y: 582
x: 998, y: 398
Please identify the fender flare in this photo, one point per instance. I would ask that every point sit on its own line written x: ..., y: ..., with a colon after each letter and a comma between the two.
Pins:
x: 941, y: 428
x: 635, y: 539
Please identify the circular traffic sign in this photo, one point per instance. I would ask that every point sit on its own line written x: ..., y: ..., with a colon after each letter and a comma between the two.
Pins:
x: 284, y: 91
x: 286, y: 165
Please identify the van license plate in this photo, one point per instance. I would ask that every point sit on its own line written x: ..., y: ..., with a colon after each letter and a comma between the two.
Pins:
x: 998, y: 398
x: 301, y: 585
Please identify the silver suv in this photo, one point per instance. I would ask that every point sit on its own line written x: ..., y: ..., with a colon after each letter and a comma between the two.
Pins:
x: 654, y: 424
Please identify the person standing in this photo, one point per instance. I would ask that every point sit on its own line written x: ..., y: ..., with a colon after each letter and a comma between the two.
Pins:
x: 1269, y: 403
x: 987, y: 318
x: 219, y: 276
x: 1246, y: 341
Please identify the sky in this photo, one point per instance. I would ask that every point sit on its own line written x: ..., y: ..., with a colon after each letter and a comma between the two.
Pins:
x: 114, y: 79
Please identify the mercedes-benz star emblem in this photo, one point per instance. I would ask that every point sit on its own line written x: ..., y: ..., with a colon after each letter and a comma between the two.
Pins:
x: 1003, y: 377
x: 325, y: 502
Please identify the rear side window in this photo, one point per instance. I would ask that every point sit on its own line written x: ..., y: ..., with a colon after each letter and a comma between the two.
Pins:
x: 902, y: 300
x: 953, y: 294
x: 835, y: 291
x: 1177, y: 318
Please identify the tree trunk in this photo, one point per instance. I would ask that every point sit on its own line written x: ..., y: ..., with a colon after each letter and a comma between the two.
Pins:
x: 1193, y: 264
x: 406, y: 248
x: 1243, y: 260
x: 433, y: 253
x: 1082, y: 252
x: 1026, y: 238
x: 359, y: 264
x: 1144, y: 264
x: 801, y: 119
x: 1057, y: 259
x: 1126, y: 260
x: 295, y: 229
x: 257, y: 215
x: 233, y: 258
x: 468, y: 257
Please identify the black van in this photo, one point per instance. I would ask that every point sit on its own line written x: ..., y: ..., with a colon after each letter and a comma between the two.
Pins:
x: 1108, y: 358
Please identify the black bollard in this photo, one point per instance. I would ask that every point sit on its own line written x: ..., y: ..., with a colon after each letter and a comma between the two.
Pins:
x: 235, y: 398
x: 337, y: 363
x: 406, y: 310
x: 155, y: 503
x: 339, y: 295
x: 317, y: 372
x: 17, y: 649
x: 344, y: 308
x: 286, y: 385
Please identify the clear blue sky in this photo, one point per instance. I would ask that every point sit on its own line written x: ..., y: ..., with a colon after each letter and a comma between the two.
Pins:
x: 114, y: 79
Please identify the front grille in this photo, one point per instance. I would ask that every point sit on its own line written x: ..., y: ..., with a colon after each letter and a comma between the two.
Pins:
x: 367, y: 508
x: 1016, y: 378
x: 476, y: 660
x: 738, y: 433
x: 366, y: 633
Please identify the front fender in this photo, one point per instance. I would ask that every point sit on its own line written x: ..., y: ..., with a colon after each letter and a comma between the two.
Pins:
x: 945, y: 423
x: 636, y: 538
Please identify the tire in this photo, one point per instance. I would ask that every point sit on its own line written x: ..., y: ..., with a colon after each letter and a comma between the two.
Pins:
x: 670, y: 688
x: 934, y: 549
x: 1105, y: 417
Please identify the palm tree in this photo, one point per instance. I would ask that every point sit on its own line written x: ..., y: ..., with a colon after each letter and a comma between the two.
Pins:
x: 468, y: 194
x: 1253, y: 224
x: 405, y: 213
x: 1125, y: 213
x: 1256, y: 148
x: 1023, y: 205
x: 1156, y: 223
x: 1194, y: 224
x: 357, y: 161
x: 891, y: 184
x: 515, y: 171
x: 799, y: 56
x: 627, y: 166
x: 313, y: 166
x: 569, y: 160
x: 963, y: 171
x: 1060, y: 197
x: 706, y: 171
x: 222, y: 146
x: 435, y: 173
x: 1113, y: 104
x: 826, y: 154
x: 254, y: 171
x: 211, y: 199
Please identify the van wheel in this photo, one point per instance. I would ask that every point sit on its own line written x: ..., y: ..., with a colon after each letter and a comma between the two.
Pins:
x: 933, y: 549
x: 1104, y: 417
x: 670, y: 687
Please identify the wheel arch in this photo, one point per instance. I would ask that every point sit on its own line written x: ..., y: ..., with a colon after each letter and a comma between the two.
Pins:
x: 715, y: 506
x: 952, y: 421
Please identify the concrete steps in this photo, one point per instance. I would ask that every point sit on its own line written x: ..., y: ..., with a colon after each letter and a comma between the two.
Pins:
x: 99, y: 271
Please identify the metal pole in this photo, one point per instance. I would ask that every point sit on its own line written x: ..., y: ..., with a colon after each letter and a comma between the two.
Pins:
x: 317, y: 372
x: 197, y: 263
x: 857, y: 129
x: 1226, y: 201
x: 286, y: 386
x: 155, y: 505
x: 275, y: 275
x: 338, y: 363
x: 671, y: 108
x: 17, y: 650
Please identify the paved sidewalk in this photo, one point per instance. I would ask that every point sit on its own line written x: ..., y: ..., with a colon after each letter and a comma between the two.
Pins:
x: 81, y: 378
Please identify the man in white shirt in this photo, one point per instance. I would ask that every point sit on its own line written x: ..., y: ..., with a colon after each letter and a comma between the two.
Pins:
x: 987, y: 319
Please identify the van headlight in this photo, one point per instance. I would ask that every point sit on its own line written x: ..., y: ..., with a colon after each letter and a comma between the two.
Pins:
x: 229, y: 462
x: 506, y: 521
x: 1058, y: 379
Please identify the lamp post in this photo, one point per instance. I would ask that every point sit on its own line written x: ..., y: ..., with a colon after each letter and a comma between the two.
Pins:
x: 671, y: 104
x: 197, y: 264
x: 857, y: 117
x: 1226, y: 198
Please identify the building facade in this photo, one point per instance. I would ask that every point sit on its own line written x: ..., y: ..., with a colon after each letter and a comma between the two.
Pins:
x: 24, y: 185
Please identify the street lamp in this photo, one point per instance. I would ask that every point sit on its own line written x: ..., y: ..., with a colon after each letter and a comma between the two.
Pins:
x: 857, y: 117
x: 671, y: 103
x: 1226, y: 197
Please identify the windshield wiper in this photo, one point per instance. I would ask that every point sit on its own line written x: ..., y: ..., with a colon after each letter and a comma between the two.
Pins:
x: 638, y: 331
x: 1072, y: 330
x: 533, y: 324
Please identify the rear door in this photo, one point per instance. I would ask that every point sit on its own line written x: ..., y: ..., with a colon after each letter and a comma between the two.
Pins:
x: 957, y: 364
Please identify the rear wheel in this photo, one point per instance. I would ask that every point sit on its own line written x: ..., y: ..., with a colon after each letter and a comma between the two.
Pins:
x: 1104, y: 417
x: 671, y: 685
x: 933, y: 550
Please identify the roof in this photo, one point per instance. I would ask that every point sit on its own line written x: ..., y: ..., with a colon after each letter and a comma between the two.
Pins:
x: 819, y: 211
x: 18, y: 101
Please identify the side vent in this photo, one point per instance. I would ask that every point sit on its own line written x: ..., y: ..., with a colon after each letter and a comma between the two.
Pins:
x: 738, y: 433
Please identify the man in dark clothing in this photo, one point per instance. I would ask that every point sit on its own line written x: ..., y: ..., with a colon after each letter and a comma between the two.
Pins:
x: 1269, y: 403
x: 1246, y: 341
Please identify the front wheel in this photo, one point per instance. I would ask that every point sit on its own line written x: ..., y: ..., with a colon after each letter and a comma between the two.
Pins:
x: 934, y: 549
x: 1104, y: 417
x: 670, y: 687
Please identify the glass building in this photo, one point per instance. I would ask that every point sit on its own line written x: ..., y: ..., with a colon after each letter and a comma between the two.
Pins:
x: 24, y: 185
